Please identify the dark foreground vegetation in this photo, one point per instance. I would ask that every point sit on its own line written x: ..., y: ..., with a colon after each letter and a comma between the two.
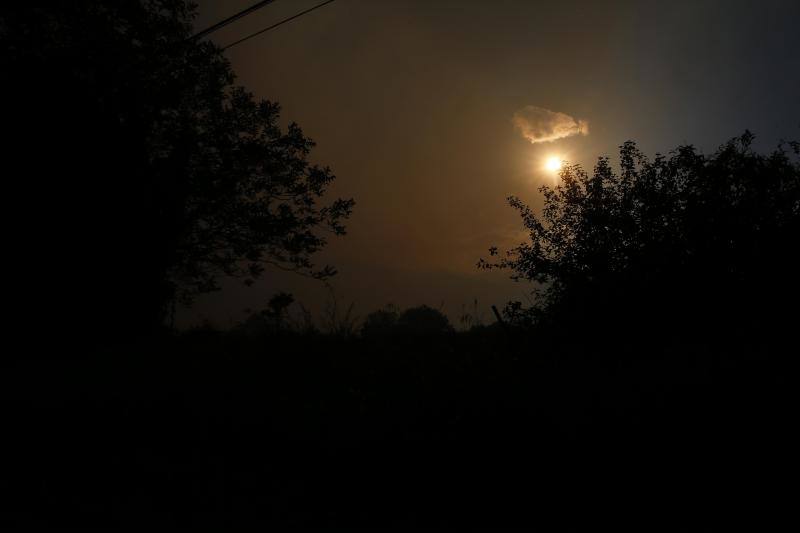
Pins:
x: 483, y: 427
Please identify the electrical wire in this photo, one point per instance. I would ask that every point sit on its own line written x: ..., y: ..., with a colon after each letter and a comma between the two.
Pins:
x: 234, y: 18
x: 273, y: 26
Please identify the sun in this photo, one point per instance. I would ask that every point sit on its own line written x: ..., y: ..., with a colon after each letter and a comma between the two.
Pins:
x: 553, y: 163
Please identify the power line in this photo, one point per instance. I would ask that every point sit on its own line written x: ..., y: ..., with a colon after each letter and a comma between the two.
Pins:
x: 237, y: 16
x: 284, y: 21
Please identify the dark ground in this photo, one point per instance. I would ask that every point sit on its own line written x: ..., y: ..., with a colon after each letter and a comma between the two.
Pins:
x: 470, y: 429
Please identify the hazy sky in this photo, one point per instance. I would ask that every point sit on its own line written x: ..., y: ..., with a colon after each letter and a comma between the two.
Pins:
x: 411, y: 104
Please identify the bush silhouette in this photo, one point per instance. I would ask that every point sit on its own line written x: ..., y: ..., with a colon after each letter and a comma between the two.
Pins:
x: 423, y: 320
x: 381, y: 322
x: 271, y: 320
x: 685, y: 244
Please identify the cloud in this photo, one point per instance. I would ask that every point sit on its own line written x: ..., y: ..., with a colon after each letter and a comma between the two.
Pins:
x: 539, y: 125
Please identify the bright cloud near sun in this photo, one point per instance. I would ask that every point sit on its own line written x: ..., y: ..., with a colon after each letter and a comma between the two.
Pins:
x: 538, y: 124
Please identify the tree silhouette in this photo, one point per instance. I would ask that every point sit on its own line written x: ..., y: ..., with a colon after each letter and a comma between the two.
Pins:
x: 414, y: 321
x: 144, y: 166
x: 381, y: 322
x: 684, y: 244
x: 423, y: 320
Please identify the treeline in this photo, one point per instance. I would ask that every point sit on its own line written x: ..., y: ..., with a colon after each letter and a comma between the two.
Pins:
x: 284, y: 316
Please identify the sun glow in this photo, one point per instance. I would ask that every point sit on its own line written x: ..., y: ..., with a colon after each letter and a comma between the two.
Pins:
x: 553, y: 163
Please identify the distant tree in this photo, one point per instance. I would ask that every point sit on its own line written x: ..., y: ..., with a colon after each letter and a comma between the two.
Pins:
x: 146, y: 169
x: 277, y: 310
x: 273, y: 319
x: 423, y: 320
x: 381, y: 322
x: 685, y: 243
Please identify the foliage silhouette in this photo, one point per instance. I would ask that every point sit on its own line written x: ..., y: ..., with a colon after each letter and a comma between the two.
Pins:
x: 381, y: 322
x: 274, y: 319
x: 414, y: 321
x: 152, y: 163
x: 423, y: 320
x: 685, y: 244
x: 336, y: 321
x: 471, y: 318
